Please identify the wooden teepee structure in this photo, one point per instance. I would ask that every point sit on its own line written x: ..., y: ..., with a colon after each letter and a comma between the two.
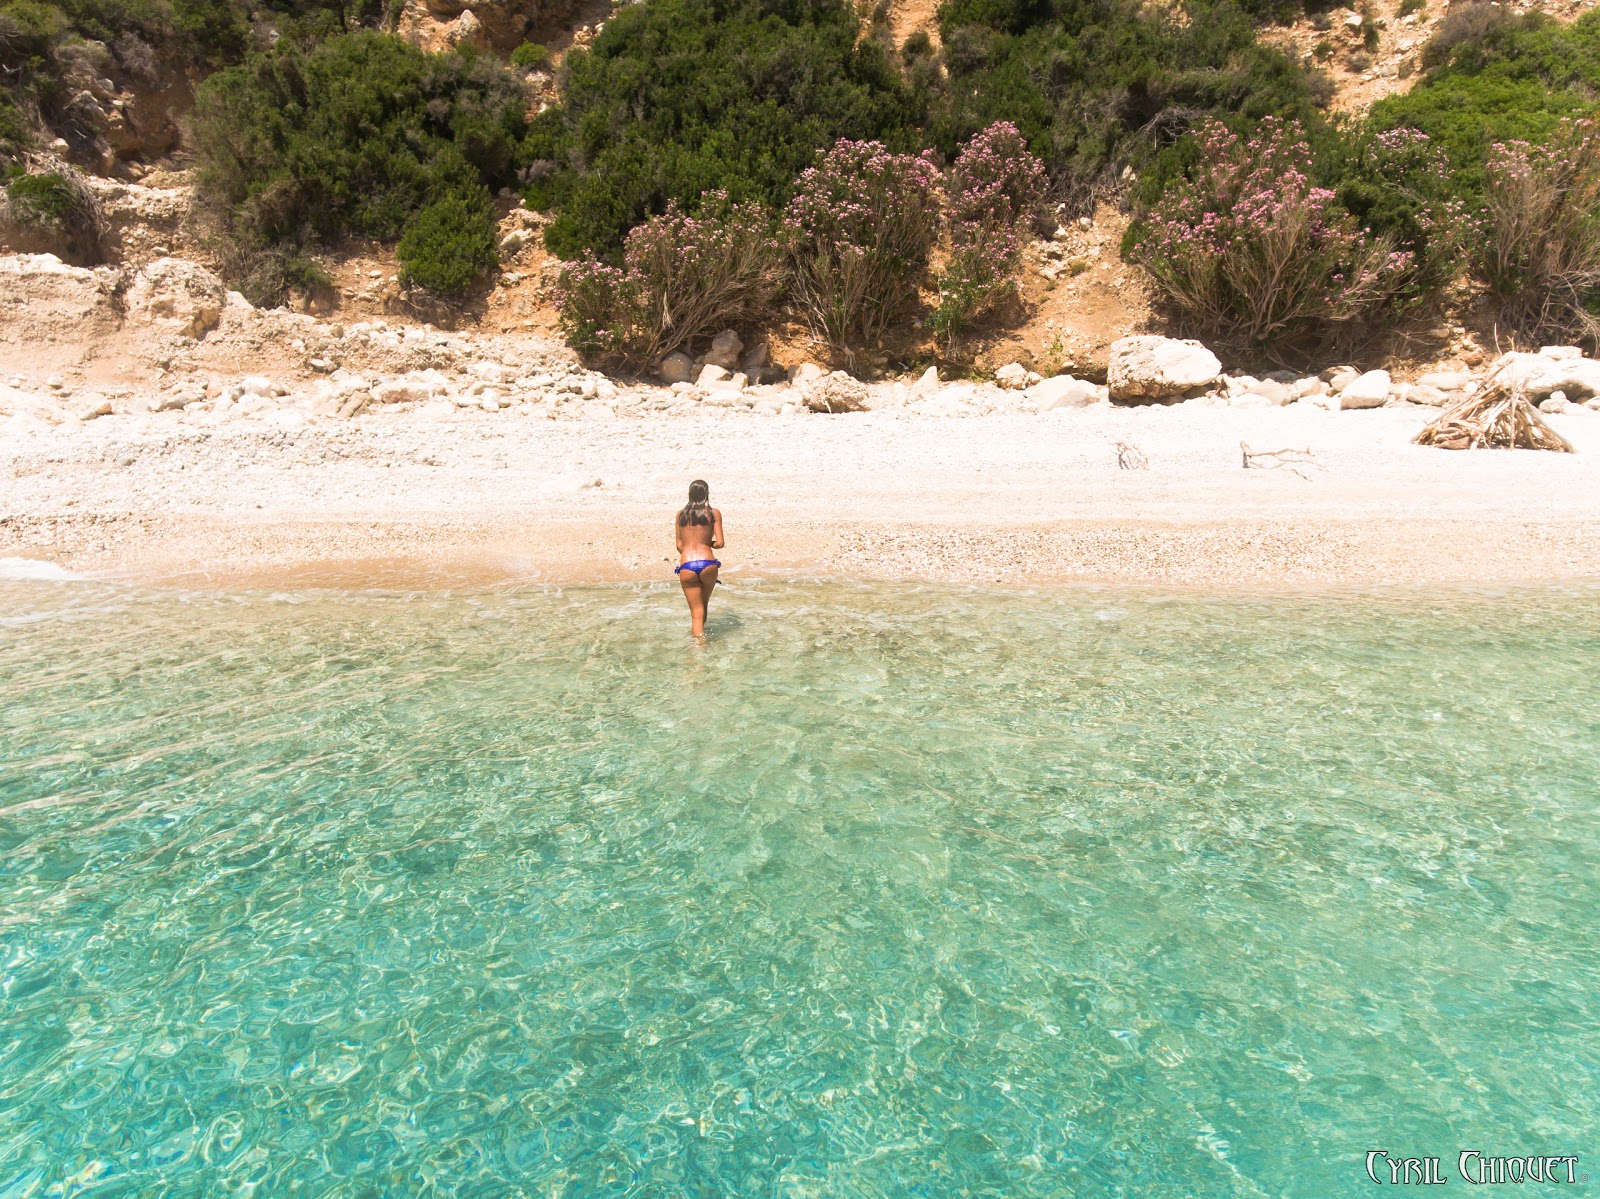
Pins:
x: 1496, y: 416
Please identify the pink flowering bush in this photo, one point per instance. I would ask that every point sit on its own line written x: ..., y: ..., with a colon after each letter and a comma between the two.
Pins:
x: 996, y: 188
x: 682, y: 277
x: 1541, y: 258
x: 859, y: 230
x: 1247, y: 249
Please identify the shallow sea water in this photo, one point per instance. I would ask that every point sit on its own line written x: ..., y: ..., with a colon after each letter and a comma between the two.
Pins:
x: 884, y: 891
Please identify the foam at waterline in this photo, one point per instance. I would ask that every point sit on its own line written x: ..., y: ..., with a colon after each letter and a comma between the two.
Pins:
x: 38, y: 569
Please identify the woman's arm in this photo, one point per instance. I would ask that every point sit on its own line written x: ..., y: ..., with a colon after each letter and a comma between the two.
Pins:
x: 677, y: 535
x: 716, y: 529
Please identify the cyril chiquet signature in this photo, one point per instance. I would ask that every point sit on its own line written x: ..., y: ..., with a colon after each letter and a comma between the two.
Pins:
x: 1474, y: 1167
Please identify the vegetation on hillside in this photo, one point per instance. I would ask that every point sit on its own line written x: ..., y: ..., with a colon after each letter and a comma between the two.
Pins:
x: 362, y: 134
x: 678, y: 98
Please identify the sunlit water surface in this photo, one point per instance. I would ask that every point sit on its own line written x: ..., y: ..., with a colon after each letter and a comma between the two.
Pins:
x: 881, y: 892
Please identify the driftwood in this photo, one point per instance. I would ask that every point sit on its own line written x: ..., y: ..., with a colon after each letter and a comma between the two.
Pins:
x: 1131, y: 457
x: 1291, y: 460
x: 1493, y: 417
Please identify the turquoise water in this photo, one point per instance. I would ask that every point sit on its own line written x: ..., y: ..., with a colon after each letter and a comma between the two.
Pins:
x: 882, y: 892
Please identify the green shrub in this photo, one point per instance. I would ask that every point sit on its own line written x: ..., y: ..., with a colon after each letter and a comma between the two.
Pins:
x: 1248, y: 250
x: 530, y: 56
x: 1541, y: 258
x: 1369, y: 35
x: 58, y: 207
x: 677, y: 98
x: 1408, y: 7
x: 1099, y: 85
x: 448, y: 245
x: 356, y: 136
x: 1496, y: 77
x: 859, y: 230
x: 683, y: 278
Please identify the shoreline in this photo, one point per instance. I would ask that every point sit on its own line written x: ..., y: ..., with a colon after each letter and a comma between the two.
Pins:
x: 423, y: 503
x: 1237, y: 558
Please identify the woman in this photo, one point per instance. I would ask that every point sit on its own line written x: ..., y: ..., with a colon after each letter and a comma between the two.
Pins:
x: 698, y: 532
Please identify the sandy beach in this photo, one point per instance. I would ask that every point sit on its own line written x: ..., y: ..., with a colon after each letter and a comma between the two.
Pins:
x: 416, y: 499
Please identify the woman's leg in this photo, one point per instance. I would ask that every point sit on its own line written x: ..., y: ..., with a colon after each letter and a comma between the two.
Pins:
x: 696, y: 595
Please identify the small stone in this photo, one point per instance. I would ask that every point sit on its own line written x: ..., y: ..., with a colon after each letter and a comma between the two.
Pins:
x: 321, y: 364
x: 675, y: 368
x: 1369, y: 390
x: 1554, y: 404
x: 725, y: 350
x: 711, y: 373
x: 1013, y: 376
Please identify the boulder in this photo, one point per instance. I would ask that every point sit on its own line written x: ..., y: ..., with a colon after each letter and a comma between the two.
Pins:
x: 1445, y: 380
x: 725, y: 350
x: 1541, y: 375
x: 926, y: 387
x: 1013, y: 376
x: 1147, y: 368
x: 838, y: 392
x: 756, y: 359
x: 806, y: 372
x: 711, y: 373
x: 1422, y: 393
x: 44, y: 299
x: 677, y: 367
x: 1560, y: 353
x: 1275, y: 392
x: 178, y: 296
x: 1369, y: 390
x: 1062, y: 391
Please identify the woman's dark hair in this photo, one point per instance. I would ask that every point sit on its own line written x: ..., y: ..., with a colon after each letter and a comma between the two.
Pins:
x: 698, y: 510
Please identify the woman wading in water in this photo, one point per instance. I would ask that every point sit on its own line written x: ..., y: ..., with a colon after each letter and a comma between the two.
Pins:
x: 698, y: 533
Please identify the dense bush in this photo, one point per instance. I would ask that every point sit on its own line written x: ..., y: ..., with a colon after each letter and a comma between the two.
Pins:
x: 995, y: 192
x: 684, y: 277
x: 449, y: 244
x: 530, y: 56
x: 56, y: 209
x: 680, y: 97
x: 1498, y: 77
x: 1248, y: 250
x: 1399, y: 185
x: 1541, y: 258
x: 1097, y: 86
x: 860, y: 229
x: 51, y: 50
x: 356, y: 136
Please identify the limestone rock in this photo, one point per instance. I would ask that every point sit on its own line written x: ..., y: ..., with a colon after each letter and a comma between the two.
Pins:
x: 1062, y: 391
x: 711, y: 373
x: 676, y: 367
x: 1445, y: 380
x: 806, y: 372
x: 1013, y: 376
x: 1273, y: 391
x: 44, y: 299
x: 1370, y: 390
x: 1540, y: 375
x: 926, y: 387
x: 179, y: 296
x: 838, y: 392
x: 1146, y: 368
x: 725, y: 350
x: 1555, y: 403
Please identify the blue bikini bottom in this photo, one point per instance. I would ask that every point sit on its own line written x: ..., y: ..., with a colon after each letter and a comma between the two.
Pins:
x: 698, y: 566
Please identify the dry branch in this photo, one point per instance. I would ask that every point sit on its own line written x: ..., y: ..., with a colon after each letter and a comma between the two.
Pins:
x: 1493, y: 417
x: 1272, y: 459
x: 1131, y: 457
